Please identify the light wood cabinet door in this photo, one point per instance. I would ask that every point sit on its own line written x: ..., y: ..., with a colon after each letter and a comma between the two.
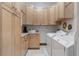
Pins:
x: 69, y: 11
x: 36, y: 20
x: 22, y: 46
x: 8, y: 4
x: 39, y: 16
x: 52, y: 16
x: 44, y: 20
x: 24, y: 6
x: 65, y: 10
x: 6, y: 33
x: 17, y: 36
x: 26, y: 43
x: 67, y: 3
x: 34, y: 41
x: 56, y: 12
x: 23, y: 18
x: 61, y: 10
x: 29, y: 15
x: 13, y: 33
x: 17, y: 6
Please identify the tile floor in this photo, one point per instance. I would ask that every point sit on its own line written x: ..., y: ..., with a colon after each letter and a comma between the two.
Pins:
x: 38, y: 52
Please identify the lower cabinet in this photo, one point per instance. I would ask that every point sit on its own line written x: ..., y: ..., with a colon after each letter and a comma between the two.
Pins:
x: 24, y: 45
x: 34, y: 41
x: 17, y: 40
x: 5, y: 33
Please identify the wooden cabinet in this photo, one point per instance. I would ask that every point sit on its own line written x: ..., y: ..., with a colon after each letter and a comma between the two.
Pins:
x: 34, y: 41
x: 17, y: 36
x: 10, y: 32
x: 17, y: 6
x: 23, y: 6
x: 67, y: 3
x: 66, y: 10
x: 24, y: 44
x: 56, y: 12
x: 36, y: 20
x: 49, y: 16
x: 52, y: 16
x: 44, y: 20
x: 23, y: 18
x: 20, y: 7
x: 61, y: 10
x: 29, y: 15
x: 37, y: 16
x: 6, y: 33
x: 69, y: 10
x: 23, y: 11
x: 8, y: 4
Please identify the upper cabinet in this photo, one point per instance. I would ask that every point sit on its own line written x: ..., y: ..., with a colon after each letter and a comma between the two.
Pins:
x: 69, y: 10
x: 8, y: 4
x: 52, y: 17
x: 44, y: 21
x: 23, y: 7
x: 66, y: 10
x: 29, y: 15
x: 42, y: 16
x: 20, y: 6
x: 61, y: 10
x: 67, y: 3
x: 56, y: 12
x: 17, y: 6
x: 37, y: 17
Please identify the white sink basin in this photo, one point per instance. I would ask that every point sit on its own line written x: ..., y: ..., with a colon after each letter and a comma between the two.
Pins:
x: 63, y: 41
x: 62, y: 38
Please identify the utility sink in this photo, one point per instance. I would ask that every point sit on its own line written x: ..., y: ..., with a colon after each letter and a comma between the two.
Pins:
x: 64, y: 40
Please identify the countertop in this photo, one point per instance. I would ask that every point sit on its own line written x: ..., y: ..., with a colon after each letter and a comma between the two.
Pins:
x: 25, y: 34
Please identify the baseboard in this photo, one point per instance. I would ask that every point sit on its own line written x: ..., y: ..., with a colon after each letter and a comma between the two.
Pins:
x: 43, y: 43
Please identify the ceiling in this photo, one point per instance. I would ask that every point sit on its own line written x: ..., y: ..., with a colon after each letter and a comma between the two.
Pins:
x: 41, y: 4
